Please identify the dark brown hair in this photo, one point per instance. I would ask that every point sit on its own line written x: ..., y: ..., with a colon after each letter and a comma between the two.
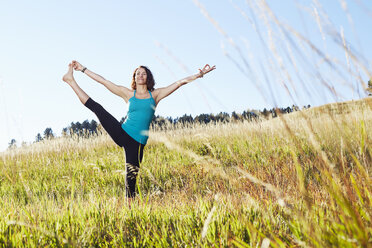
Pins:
x: 149, y: 81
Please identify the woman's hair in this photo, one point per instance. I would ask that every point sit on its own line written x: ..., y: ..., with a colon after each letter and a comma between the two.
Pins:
x: 149, y: 81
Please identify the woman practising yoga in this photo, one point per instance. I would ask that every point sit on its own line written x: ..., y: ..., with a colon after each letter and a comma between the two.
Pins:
x: 142, y: 98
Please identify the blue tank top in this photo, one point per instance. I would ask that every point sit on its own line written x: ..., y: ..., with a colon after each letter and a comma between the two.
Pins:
x: 139, y: 116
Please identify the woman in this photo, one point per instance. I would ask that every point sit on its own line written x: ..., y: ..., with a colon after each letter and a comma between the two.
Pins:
x: 142, y: 98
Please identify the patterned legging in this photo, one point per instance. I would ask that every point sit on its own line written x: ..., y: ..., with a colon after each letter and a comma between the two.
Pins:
x: 133, y: 149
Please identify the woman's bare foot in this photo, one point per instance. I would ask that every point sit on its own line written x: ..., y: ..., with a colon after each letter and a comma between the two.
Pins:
x: 69, y: 76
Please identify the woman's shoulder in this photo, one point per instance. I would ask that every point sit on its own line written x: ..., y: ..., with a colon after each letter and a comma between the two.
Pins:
x: 128, y: 93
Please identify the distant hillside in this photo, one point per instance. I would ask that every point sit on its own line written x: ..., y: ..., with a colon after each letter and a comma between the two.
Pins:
x: 342, y: 107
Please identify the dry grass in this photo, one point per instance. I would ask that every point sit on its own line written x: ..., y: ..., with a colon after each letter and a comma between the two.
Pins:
x: 302, y: 179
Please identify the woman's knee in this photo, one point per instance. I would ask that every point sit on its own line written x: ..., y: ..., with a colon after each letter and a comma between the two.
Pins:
x: 131, y: 157
x: 91, y: 104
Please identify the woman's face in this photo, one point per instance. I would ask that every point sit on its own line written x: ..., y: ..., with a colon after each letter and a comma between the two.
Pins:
x: 141, y: 76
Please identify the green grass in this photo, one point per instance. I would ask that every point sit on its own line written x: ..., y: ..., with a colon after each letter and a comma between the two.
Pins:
x: 303, y: 179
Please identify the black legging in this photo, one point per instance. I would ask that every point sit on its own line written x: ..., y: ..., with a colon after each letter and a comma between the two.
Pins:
x: 133, y: 149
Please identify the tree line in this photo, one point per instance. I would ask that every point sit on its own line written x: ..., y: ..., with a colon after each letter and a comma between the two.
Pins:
x: 88, y: 128
x: 254, y: 115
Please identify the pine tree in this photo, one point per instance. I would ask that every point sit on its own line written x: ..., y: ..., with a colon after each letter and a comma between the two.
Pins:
x: 12, y: 144
x: 48, y: 133
x: 369, y: 89
x: 38, y: 138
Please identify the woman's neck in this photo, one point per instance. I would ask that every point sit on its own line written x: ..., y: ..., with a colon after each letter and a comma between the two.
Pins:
x: 141, y: 89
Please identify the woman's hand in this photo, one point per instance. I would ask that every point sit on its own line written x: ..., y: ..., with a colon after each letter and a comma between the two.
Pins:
x: 77, y: 66
x: 206, y: 69
x: 161, y: 93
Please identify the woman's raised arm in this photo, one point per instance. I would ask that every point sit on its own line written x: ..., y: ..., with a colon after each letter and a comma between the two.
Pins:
x: 118, y: 90
x: 161, y: 93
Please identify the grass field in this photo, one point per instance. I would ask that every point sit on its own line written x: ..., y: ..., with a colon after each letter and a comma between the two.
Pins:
x: 300, y: 180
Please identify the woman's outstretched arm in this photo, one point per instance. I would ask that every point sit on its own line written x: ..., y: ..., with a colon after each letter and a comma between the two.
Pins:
x: 114, y: 88
x: 161, y: 93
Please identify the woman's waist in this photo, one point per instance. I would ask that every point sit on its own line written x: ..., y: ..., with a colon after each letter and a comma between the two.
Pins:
x: 140, y: 124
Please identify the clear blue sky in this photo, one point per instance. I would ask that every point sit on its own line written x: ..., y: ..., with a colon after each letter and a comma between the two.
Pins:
x: 39, y: 38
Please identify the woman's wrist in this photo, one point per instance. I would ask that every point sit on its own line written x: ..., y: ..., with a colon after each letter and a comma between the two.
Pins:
x: 83, y: 70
